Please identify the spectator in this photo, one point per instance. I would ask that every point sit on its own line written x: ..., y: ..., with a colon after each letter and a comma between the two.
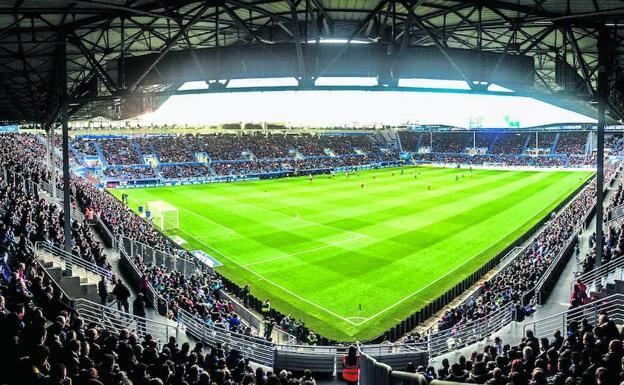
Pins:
x: 122, y: 293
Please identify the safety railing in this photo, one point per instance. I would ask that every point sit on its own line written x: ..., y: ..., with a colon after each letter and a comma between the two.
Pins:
x: 117, y: 320
x: 107, y: 234
x: 70, y: 259
x: 66, y: 299
x: 460, y: 336
x: 373, y: 372
x: 279, y: 336
x: 152, y: 295
x: 597, y: 275
x: 74, y: 214
x: 256, y: 349
x: 554, y: 264
x: 615, y: 214
x: 150, y: 255
x: 546, y: 327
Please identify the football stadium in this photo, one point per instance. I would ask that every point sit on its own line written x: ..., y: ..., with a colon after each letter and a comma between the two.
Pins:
x: 281, y: 192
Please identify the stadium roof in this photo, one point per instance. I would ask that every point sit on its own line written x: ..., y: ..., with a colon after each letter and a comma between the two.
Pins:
x: 39, y: 38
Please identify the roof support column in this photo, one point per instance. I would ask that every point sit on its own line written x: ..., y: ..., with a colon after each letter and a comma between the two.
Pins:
x: 51, y: 159
x: 63, y: 99
x: 602, y: 94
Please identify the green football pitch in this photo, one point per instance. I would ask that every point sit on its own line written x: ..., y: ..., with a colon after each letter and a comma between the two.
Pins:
x: 319, y: 249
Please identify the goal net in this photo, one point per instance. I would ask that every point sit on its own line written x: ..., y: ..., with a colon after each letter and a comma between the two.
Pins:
x: 163, y: 215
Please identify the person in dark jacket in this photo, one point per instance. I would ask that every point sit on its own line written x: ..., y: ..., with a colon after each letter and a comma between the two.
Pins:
x: 103, y: 291
x: 122, y: 293
x: 138, y: 309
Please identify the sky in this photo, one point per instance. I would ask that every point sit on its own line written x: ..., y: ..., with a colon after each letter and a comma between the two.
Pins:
x: 347, y: 108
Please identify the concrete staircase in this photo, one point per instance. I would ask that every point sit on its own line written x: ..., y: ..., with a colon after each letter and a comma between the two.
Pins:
x: 607, y: 285
x: 81, y: 283
x: 526, y: 144
x: 100, y: 153
x: 553, y: 146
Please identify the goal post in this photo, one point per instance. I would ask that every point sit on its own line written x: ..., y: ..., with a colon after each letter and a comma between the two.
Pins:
x: 163, y: 215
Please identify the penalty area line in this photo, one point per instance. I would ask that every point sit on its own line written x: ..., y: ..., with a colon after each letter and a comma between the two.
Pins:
x: 271, y: 282
x: 229, y: 230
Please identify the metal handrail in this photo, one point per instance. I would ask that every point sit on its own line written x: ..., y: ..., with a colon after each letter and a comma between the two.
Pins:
x: 600, y: 272
x: 553, y: 264
x: 447, y: 340
x: 47, y: 274
x: 119, y: 320
x: 108, y: 232
x: 69, y: 258
x: 135, y: 248
x: 617, y: 213
x: 152, y: 293
x: 256, y: 349
x: 545, y: 327
x: 74, y: 214
x: 256, y: 322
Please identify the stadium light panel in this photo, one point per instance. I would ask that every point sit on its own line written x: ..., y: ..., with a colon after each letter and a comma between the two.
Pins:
x: 434, y: 83
x: 340, y: 41
x: 497, y: 88
x: 200, y: 85
x: 262, y: 82
x: 346, y: 81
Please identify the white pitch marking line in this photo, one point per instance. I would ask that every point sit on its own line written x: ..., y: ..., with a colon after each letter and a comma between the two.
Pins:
x: 271, y: 282
x: 229, y: 230
x: 277, y: 258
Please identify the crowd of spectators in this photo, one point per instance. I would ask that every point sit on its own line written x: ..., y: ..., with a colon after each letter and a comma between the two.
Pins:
x: 582, y: 355
x: 615, y: 144
x: 518, y: 278
x: 409, y: 140
x: 198, y: 294
x: 45, y: 342
x: 502, y: 160
x: 454, y: 143
x: 613, y: 245
x: 236, y: 155
x: 185, y: 171
x: 543, y: 140
x: 571, y: 143
x: 269, y: 147
x: 86, y: 147
x: 484, y: 139
x: 129, y: 172
x: 195, y: 294
x: 169, y: 149
x: 509, y: 144
x: 228, y: 147
x: 119, y: 151
x: 31, y: 217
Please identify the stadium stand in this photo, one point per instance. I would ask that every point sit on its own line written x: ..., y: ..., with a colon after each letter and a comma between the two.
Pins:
x: 256, y: 154
x: 588, y: 351
x: 454, y: 143
x: 520, y: 277
x: 509, y: 144
x: 119, y: 152
x: 571, y: 143
x: 53, y: 345
x: 180, y: 292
